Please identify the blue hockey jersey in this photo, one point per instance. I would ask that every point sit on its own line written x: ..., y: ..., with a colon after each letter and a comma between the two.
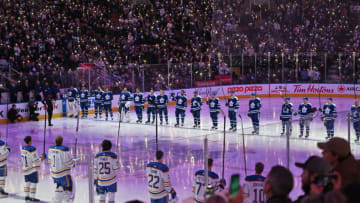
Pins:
x: 46, y: 91
x: 254, y: 106
x: 72, y: 93
x: 98, y: 94
x: 287, y: 110
x: 151, y: 99
x: 355, y: 113
x: 214, y: 104
x: 233, y: 103
x: 196, y: 103
x: 138, y: 99
x: 84, y: 95
x: 304, y: 109
x: 162, y: 100
x: 181, y: 102
x: 124, y: 97
x: 329, y: 111
x: 107, y: 97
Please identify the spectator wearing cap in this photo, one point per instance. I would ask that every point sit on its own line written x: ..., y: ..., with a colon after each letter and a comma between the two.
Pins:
x: 278, y: 184
x: 313, y: 167
x: 337, y: 152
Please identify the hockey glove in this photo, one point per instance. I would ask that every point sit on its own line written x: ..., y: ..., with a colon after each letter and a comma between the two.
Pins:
x: 222, y: 183
x: 8, y: 147
x: 43, y: 156
x: 173, y: 193
x: 322, y: 118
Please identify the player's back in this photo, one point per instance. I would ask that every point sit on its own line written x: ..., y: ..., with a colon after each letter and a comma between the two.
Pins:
x: 105, y: 168
x: 4, y: 152
x: 30, y: 159
x: 60, y: 161
x: 158, y: 180
x: 199, y: 188
x: 254, y: 189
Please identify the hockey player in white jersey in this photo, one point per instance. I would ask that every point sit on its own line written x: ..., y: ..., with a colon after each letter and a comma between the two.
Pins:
x: 61, y: 162
x: 4, y: 152
x: 106, y: 166
x: 254, y: 186
x: 199, y: 187
x: 159, y: 184
x: 30, y: 164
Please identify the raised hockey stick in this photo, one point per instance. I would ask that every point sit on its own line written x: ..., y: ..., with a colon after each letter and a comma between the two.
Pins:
x: 7, y: 120
x: 243, y: 139
x: 118, y: 135
x: 77, y: 130
x: 206, y: 164
x: 45, y: 108
x: 223, y: 152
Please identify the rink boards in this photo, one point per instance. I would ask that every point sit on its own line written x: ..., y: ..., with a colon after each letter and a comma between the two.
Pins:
x: 242, y: 91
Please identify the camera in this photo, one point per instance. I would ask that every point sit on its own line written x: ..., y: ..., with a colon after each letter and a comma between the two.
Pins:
x: 33, y: 106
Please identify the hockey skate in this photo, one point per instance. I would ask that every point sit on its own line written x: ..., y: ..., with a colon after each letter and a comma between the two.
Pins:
x: 147, y: 122
x: 34, y: 200
x: 153, y: 122
x: 161, y: 122
x: 112, y: 118
x: 176, y: 125
x: 257, y: 132
x: 357, y: 139
x: 307, y: 135
x: 182, y: 124
x: 95, y: 117
x: 194, y: 126
x: 230, y: 129
x: 282, y: 133
x: 234, y: 129
x: 137, y: 121
x: 167, y: 122
x: 300, y: 136
x: 106, y: 118
x: 100, y: 117
x: 3, y: 194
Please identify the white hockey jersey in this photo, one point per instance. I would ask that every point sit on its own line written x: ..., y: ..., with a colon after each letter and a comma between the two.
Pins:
x: 106, y: 166
x: 60, y: 161
x: 158, y: 180
x: 4, y: 152
x: 254, y: 189
x: 199, y: 187
x: 30, y: 160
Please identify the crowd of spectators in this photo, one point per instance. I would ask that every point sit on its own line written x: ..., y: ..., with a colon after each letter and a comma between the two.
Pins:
x: 47, y: 40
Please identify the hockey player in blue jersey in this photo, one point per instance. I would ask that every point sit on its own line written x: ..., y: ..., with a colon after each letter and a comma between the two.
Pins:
x: 72, y: 101
x: 180, y: 108
x: 254, y: 112
x: 233, y: 105
x: 159, y: 184
x: 31, y: 164
x: 124, y: 105
x: 254, y: 186
x: 99, y: 102
x: 106, y: 165
x: 306, y: 113
x: 199, y: 185
x: 4, y: 152
x: 329, y: 116
x: 196, y: 103
x: 287, y: 110
x: 214, y: 106
x: 139, y: 104
x: 84, y: 101
x: 162, y: 101
x: 108, y: 97
x: 355, y: 118
x: 151, y: 99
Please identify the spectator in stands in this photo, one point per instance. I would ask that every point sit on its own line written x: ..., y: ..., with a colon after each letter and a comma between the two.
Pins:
x: 278, y: 184
x: 25, y: 90
x: 55, y: 92
x: 13, y: 89
x: 337, y: 152
x: 13, y: 115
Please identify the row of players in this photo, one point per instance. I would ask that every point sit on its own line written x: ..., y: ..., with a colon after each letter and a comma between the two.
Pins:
x: 158, y: 104
x: 106, y: 165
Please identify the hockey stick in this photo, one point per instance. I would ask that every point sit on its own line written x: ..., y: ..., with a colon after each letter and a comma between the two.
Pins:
x: 206, y: 164
x: 354, y: 75
x: 243, y: 139
x: 7, y: 120
x: 77, y: 130
x: 45, y: 108
x: 118, y: 135
x: 223, y: 154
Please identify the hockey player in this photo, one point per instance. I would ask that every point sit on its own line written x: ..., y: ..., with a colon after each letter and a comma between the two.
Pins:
x: 124, y: 105
x: 139, y: 104
x: 287, y: 110
x: 99, y: 102
x: 151, y: 99
x: 159, y: 184
x: 84, y: 101
x: 199, y: 188
x: 61, y: 162
x: 106, y: 166
x: 254, y: 185
x: 305, y: 111
x: 72, y: 102
x: 4, y: 152
x: 214, y: 106
x: 355, y: 118
x: 233, y: 104
x: 254, y: 112
x: 30, y: 164
x: 196, y: 103
x: 180, y: 108
x: 108, y: 97
x: 162, y: 101
x: 329, y: 116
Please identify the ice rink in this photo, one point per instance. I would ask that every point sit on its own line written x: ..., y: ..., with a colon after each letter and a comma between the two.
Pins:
x: 183, y: 148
